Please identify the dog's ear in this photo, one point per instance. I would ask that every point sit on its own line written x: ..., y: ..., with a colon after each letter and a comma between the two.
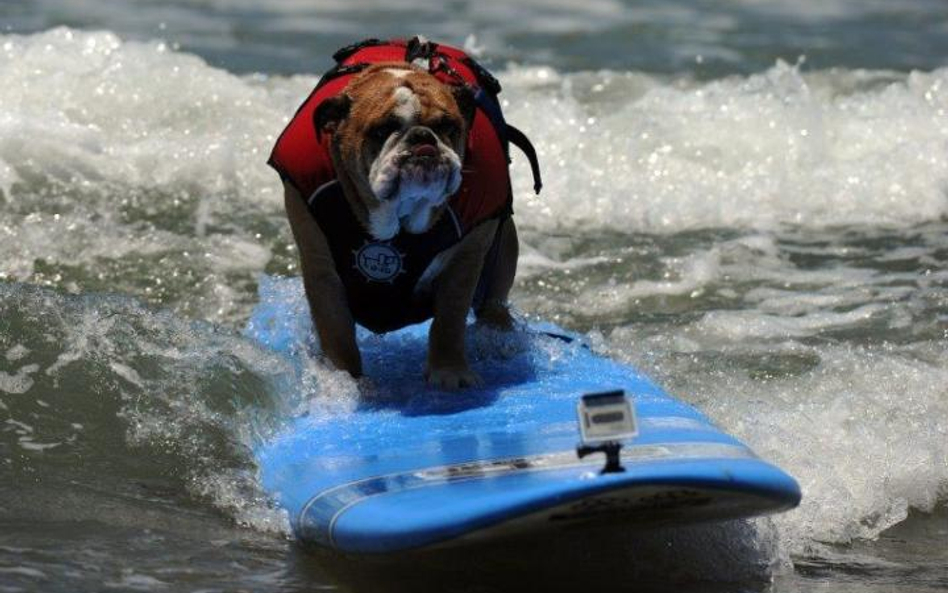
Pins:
x: 467, y: 103
x: 330, y: 114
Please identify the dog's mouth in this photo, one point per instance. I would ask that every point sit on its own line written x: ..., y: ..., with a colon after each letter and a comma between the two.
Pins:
x: 424, y: 151
x: 424, y: 156
x: 423, y: 165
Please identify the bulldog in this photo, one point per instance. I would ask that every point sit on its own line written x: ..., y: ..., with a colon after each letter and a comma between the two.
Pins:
x: 397, y: 138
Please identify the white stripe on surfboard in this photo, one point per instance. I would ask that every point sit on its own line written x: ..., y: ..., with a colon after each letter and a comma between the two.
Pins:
x: 352, y: 493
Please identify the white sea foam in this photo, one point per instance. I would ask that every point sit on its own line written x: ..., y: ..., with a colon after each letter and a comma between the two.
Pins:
x: 627, y: 152
x: 864, y: 429
x: 532, y: 261
x: 864, y: 432
x: 16, y: 352
x: 24, y: 571
x: 130, y: 151
x: 742, y: 325
x: 19, y: 382
x: 132, y: 581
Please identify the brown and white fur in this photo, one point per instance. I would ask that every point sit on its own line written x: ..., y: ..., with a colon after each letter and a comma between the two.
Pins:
x: 398, y: 140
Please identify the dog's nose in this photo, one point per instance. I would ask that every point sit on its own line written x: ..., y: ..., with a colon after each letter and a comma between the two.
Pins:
x: 421, y: 135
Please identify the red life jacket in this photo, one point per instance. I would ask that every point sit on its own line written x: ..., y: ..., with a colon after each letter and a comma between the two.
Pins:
x: 303, y: 159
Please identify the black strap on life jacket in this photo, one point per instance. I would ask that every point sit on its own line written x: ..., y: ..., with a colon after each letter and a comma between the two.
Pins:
x: 484, y: 78
x: 339, y: 70
x: 509, y: 134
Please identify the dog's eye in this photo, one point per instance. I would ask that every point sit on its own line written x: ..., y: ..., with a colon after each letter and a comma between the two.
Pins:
x: 382, y: 131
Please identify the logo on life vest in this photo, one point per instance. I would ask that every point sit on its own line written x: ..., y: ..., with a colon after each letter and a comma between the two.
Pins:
x: 379, y: 262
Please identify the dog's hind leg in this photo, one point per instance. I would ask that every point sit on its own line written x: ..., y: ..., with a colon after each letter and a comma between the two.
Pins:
x: 497, y: 277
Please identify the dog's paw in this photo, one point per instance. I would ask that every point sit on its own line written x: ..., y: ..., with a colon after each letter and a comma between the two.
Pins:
x: 451, y: 378
x: 495, y: 316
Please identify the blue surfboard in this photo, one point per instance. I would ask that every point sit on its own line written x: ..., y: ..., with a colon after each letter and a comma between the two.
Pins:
x: 406, y: 467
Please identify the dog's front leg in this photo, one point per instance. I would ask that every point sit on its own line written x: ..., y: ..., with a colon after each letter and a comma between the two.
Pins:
x: 453, y: 293
x: 333, y: 321
x: 325, y: 293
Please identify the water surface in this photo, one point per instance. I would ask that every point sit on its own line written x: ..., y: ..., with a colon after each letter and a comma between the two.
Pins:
x: 764, y: 235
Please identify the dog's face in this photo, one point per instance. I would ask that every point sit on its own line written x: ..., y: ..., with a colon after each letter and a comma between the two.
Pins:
x: 399, y: 134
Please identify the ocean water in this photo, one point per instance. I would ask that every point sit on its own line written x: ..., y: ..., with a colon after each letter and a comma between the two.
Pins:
x: 747, y: 199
